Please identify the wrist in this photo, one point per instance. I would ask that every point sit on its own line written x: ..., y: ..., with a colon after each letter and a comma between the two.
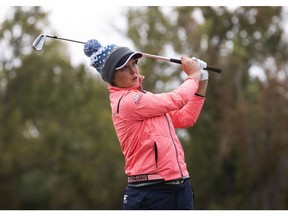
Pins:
x: 195, y: 76
x: 202, y: 88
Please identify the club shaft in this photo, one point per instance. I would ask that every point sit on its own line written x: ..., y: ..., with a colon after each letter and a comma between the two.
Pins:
x: 59, y: 38
x: 209, y: 68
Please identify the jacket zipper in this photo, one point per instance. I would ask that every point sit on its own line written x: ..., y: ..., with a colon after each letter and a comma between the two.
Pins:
x: 176, y: 151
x: 156, y: 154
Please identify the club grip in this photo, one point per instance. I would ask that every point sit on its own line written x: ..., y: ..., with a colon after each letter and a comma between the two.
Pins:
x: 214, y: 69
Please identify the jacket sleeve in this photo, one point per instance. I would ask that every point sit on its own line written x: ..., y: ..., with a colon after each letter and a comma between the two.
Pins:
x: 140, y: 106
x: 188, y: 115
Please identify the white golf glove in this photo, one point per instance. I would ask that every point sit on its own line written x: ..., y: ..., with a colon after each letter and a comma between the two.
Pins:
x: 202, y: 65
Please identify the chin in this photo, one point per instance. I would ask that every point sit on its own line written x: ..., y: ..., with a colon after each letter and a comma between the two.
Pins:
x: 136, y: 83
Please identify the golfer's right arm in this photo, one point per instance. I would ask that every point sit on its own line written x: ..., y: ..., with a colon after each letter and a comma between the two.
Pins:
x: 190, y: 67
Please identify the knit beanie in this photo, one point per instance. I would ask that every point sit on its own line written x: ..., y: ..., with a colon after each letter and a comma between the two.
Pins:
x: 109, y: 58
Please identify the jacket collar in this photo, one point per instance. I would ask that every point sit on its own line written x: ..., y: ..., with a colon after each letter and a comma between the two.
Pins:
x: 113, y: 89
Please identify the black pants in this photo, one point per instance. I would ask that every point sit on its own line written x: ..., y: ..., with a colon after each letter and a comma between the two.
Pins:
x: 159, y: 197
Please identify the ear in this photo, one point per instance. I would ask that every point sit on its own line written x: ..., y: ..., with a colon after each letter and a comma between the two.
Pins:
x: 141, y: 78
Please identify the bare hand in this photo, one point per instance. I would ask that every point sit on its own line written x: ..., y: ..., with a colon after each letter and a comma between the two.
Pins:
x: 190, y: 67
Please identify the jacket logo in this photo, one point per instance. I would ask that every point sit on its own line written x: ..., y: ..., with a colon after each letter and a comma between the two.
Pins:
x: 137, y: 98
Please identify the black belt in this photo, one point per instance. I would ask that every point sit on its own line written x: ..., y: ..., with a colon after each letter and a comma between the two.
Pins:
x: 147, y: 178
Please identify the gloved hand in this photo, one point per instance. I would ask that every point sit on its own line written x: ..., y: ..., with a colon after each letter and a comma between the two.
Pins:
x: 202, y: 65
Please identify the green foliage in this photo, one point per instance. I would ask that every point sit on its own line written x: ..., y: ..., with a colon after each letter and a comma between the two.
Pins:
x: 58, y: 146
x: 236, y: 152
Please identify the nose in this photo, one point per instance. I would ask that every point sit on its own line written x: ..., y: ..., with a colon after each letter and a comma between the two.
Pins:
x: 132, y: 69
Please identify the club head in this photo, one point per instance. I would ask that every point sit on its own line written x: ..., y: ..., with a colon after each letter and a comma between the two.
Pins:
x: 39, y: 42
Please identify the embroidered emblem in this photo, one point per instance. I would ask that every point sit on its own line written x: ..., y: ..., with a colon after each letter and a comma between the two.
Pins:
x: 125, y: 199
x: 137, y: 98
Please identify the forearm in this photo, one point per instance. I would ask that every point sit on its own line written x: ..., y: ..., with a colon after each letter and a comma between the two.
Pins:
x: 188, y: 115
x: 202, y: 88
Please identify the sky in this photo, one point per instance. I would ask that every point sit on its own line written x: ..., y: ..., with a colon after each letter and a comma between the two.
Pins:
x: 90, y: 23
x: 87, y: 20
x: 84, y: 22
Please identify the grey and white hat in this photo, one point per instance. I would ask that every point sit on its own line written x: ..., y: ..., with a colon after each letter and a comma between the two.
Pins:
x: 109, y: 58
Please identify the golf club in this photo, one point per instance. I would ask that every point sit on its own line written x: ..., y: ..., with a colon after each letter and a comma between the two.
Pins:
x: 40, y: 40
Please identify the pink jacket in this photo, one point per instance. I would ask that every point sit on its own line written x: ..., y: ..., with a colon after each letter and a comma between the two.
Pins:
x: 145, y: 125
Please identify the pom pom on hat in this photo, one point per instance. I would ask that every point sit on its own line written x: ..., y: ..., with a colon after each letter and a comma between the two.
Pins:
x: 98, y: 54
x: 91, y: 46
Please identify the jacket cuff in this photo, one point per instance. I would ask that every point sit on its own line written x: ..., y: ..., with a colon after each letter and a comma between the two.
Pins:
x: 199, y: 95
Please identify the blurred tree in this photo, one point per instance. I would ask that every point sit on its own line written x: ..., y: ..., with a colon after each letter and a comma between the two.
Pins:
x: 237, y: 153
x: 58, y: 146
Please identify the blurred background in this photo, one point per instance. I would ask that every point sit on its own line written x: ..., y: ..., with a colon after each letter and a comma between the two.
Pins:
x: 58, y: 147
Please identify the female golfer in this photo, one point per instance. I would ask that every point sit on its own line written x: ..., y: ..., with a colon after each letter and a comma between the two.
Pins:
x: 145, y: 125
